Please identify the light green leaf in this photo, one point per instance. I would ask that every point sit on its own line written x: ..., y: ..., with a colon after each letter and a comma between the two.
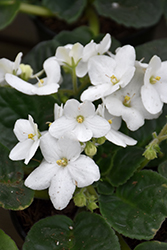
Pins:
x: 8, y: 11
x: 153, y: 245
x: 138, y: 207
x: 6, y: 242
x: 88, y: 231
x: 131, y: 13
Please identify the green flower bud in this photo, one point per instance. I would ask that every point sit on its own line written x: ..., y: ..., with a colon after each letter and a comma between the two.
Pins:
x: 91, y: 203
x: 151, y: 152
x: 79, y: 199
x: 101, y: 140
x: 26, y: 72
x: 90, y: 149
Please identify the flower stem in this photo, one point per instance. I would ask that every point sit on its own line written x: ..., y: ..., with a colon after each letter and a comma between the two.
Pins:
x: 93, y: 20
x: 35, y: 10
x: 74, y: 80
x: 124, y: 245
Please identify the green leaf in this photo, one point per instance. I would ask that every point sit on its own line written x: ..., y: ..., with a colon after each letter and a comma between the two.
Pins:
x: 131, y: 13
x: 8, y: 11
x: 162, y: 168
x: 125, y: 163
x: 104, y: 187
x: 13, y: 194
x: 157, y: 47
x: 88, y: 231
x: 138, y: 207
x: 6, y: 242
x: 70, y: 11
x: 153, y: 245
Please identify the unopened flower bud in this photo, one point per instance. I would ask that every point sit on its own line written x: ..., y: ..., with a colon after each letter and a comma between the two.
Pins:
x: 80, y: 199
x: 151, y: 152
x: 90, y: 149
x: 101, y: 140
x: 91, y: 203
x: 26, y: 72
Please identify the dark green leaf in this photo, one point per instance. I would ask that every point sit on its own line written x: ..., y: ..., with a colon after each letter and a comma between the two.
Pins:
x: 88, y: 231
x: 156, y: 47
x: 13, y: 194
x: 6, y: 242
x: 138, y: 207
x: 125, y: 163
x: 162, y: 168
x: 70, y: 11
x: 104, y: 187
x: 8, y: 11
x: 131, y: 13
x: 153, y: 245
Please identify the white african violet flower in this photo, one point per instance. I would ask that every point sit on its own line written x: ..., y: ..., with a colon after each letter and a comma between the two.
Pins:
x: 58, y: 111
x: 127, y: 102
x: 69, y: 54
x: 114, y: 135
x: 62, y: 169
x: 108, y: 74
x: 28, y: 135
x: 92, y: 49
x: 154, y: 90
x: 45, y: 86
x: 7, y: 66
x: 81, y: 119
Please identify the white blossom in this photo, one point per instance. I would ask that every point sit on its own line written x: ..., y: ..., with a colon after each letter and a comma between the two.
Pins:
x: 90, y: 50
x: 62, y: 169
x: 108, y: 74
x: 7, y: 66
x: 81, y: 119
x: 28, y: 135
x: 46, y: 86
x: 154, y: 90
x: 127, y: 102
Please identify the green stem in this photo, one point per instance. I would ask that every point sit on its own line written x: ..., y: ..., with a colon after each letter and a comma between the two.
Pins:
x: 93, y: 20
x: 35, y: 10
x: 74, y: 81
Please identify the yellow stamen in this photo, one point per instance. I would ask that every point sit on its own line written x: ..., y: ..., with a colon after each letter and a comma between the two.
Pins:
x: 62, y: 162
x: 110, y: 121
x: 114, y: 80
x: 40, y: 82
x: 30, y: 136
x: 153, y: 79
x: 49, y: 123
x: 80, y: 119
x: 127, y: 101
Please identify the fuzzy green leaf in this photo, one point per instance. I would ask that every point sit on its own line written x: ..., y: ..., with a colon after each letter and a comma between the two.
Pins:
x: 131, y: 13
x: 88, y: 231
x: 8, y: 11
x: 138, y: 207
x: 153, y: 245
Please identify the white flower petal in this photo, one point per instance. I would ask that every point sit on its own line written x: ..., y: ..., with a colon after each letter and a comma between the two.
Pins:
x: 22, y: 128
x: 104, y: 44
x: 151, y: 99
x: 49, y: 148
x: 21, y: 150
x: 119, y: 138
x: 82, y: 133
x: 61, y: 189
x: 31, y: 151
x: 84, y: 171
x: 98, y: 125
x: 41, y: 177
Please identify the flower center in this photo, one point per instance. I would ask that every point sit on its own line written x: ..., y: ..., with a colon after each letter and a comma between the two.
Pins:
x: 110, y: 121
x: 31, y: 136
x: 127, y: 101
x: 62, y: 162
x: 153, y: 79
x: 114, y: 80
x: 80, y: 119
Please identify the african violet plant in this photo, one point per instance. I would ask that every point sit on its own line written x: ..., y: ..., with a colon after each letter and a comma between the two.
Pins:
x: 84, y: 121
x: 83, y: 114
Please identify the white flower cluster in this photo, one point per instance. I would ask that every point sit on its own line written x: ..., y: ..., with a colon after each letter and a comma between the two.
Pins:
x: 129, y: 90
